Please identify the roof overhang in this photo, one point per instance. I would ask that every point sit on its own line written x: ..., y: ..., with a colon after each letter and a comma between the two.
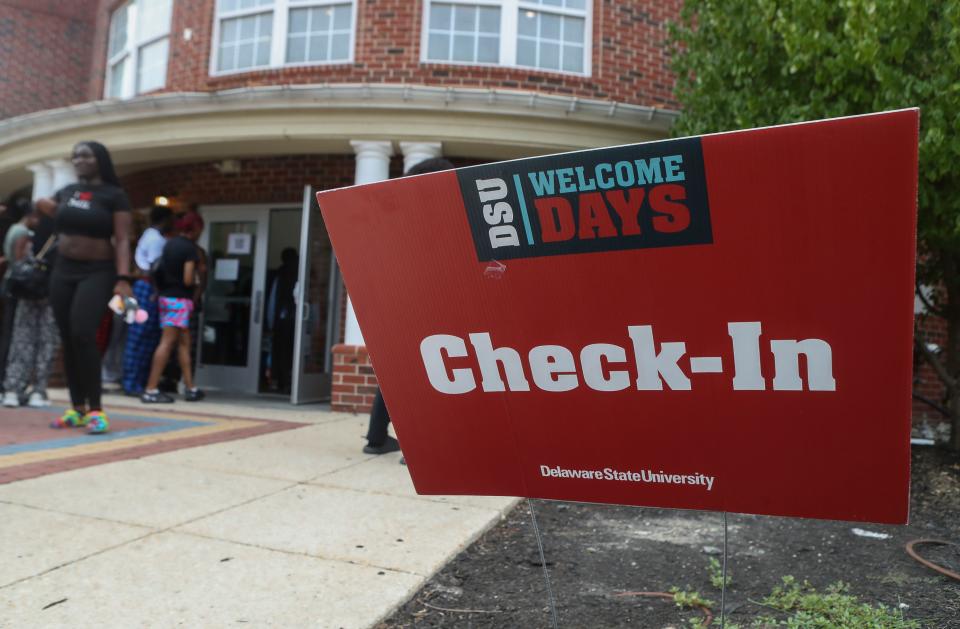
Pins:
x: 184, y: 127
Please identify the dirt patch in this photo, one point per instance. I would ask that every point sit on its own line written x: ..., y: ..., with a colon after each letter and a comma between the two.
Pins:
x: 595, y: 552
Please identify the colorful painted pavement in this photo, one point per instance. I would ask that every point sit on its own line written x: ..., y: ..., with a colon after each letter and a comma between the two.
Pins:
x: 30, y: 448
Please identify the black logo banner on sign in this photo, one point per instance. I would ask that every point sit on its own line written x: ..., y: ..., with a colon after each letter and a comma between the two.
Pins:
x: 628, y: 197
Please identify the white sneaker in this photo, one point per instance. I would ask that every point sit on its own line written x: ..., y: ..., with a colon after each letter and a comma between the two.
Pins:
x: 38, y: 400
x: 11, y: 399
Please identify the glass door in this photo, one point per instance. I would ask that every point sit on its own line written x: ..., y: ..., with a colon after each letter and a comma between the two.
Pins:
x: 233, y: 304
x: 317, y: 295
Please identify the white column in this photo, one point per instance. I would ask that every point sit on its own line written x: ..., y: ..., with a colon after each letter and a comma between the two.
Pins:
x: 416, y: 152
x: 63, y: 173
x: 373, y: 160
x: 42, y: 181
x: 373, y: 164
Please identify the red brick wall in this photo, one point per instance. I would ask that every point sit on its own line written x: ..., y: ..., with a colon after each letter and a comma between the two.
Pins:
x: 45, y: 54
x: 629, y: 61
x: 261, y: 180
x: 354, y: 384
x: 189, y: 63
x: 53, y: 54
x: 278, y: 179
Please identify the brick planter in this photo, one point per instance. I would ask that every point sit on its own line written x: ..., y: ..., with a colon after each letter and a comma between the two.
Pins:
x: 354, y: 384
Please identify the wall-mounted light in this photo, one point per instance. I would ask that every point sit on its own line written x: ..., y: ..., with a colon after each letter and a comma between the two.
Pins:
x: 162, y: 201
x: 228, y: 167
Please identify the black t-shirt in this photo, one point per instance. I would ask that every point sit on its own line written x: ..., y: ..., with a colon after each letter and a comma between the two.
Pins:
x: 87, y: 210
x: 169, y: 275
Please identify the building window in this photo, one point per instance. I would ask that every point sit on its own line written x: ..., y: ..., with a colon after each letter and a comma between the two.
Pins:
x: 319, y: 34
x: 543, y: 34
x: 138, y: 48
x: 550, y: 40
x: 258, y: 34
x: 245, y: 42
x: 464, y: 32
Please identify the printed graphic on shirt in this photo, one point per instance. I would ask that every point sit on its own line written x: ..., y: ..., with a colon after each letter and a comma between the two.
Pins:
x: 630, y: 197
x: 80, y: 200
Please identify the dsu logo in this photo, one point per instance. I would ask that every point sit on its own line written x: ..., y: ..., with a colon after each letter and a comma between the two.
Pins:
x: 629, y: 197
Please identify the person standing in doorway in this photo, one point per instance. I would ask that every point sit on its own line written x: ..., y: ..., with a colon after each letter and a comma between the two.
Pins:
x: 176, y: 278
x: 142, y: 338
x: 93, y: 222
x: 378, y: 441
x: 34, y: 336
x: 281, y: 313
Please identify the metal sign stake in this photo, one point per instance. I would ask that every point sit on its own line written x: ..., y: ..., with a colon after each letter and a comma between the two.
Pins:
x: 543, y: 562
x: 723, y: 588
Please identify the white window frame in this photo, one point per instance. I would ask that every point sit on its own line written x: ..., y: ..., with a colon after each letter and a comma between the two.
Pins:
x: 509, y: 10
x: 278, y: 37
x: 131, y: 51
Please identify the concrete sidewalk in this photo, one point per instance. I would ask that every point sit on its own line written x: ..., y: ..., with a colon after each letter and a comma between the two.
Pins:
x: 289, y: 529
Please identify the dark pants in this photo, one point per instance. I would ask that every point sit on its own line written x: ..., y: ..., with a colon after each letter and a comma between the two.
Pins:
x: 6, y: 332
x: 282, y: 360
x: 79, y: 292
x: 379, y: 420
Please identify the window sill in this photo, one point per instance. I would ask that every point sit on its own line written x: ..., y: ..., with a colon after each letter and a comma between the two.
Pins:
x: 273, y: 69
x: 501, y: 66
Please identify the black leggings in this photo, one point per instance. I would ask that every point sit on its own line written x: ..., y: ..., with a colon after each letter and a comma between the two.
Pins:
x: 79, y: 292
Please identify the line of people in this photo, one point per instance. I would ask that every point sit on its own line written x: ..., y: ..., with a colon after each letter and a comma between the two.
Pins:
x: 90, y: 222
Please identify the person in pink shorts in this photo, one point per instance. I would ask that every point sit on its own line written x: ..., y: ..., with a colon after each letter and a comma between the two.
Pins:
x: 175, y: 278
x: 175, y: 312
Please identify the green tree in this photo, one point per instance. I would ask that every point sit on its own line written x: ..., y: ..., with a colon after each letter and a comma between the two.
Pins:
x: 748, y: 63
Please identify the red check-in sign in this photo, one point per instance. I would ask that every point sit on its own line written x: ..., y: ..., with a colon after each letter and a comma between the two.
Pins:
x: 720, y: 322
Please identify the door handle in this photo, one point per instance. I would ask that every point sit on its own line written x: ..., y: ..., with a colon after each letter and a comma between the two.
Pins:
x: 257, y: 307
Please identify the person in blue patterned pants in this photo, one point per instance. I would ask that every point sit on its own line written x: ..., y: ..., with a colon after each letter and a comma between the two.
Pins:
x: 143, y: 338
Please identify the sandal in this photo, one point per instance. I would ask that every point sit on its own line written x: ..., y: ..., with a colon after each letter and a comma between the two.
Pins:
x: 97, y: 422
x: 70, y: 419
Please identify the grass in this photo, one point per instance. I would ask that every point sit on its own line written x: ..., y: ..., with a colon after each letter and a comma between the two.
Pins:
x: 715, y: 570
x: 799, y: 605
x: 835, y: 608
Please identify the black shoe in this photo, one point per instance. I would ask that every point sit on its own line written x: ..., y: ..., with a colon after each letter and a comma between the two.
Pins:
x: 390, y: 445
x: 194, y: 395
x: 156, y: 398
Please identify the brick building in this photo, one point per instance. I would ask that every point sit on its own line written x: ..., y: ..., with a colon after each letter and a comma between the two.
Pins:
x: 237, y: 106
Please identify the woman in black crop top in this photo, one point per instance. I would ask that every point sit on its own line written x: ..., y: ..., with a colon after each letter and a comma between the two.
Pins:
x: 93, y: 262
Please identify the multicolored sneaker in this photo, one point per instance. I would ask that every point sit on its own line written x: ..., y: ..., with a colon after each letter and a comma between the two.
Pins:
x: 97, y: 422
x: 69, y: 419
